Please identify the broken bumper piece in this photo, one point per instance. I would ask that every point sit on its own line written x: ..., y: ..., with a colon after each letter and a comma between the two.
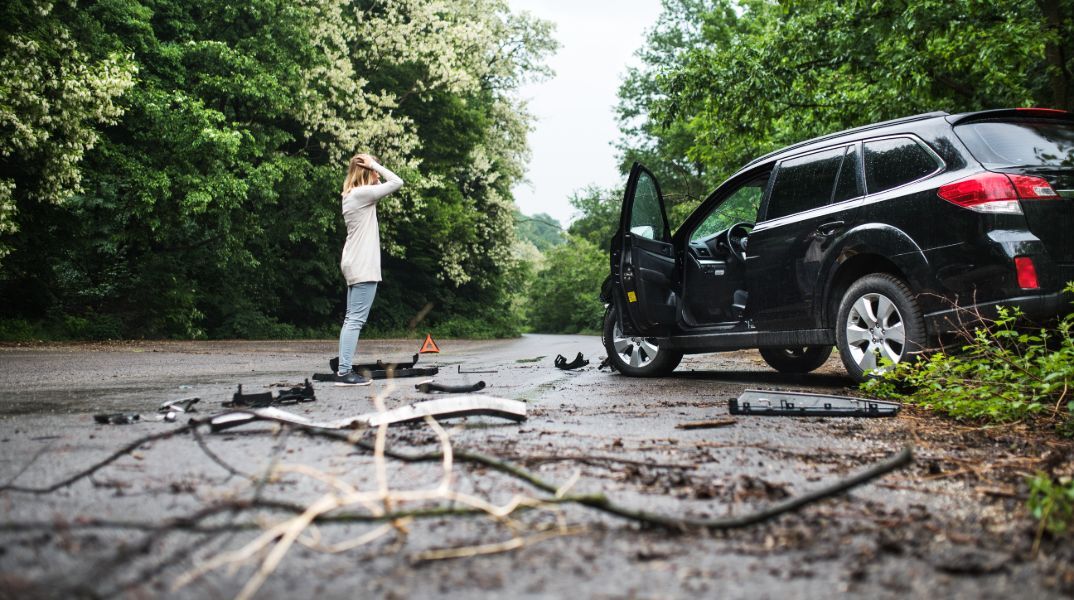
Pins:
x: 462, y: 406
x: 380, y: 370
x: 578, y: 362
x: 801, y: 404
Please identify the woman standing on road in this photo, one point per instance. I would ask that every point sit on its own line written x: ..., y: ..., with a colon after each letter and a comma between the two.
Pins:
x: 362, y: 189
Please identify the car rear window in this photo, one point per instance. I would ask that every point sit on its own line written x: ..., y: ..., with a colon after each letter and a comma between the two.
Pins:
x: 893, y: 162
x: 1029, y: 143
x: 803, y: 183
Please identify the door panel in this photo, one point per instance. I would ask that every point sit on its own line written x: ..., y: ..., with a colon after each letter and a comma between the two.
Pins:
x: 648, y: 267
x: 786, y: 251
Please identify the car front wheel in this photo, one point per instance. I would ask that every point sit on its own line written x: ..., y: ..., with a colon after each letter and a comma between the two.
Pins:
x: 879, y: 321
x: 636, y: 356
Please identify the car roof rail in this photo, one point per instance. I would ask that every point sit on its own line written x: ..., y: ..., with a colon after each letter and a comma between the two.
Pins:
x: 1006, y: 113
x: 910, y: 119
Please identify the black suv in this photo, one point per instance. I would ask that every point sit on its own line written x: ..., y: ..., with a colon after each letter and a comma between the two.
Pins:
x: 876, y: 240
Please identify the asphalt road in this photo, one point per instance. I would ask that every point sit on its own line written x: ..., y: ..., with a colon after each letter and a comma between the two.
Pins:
x: 952, y: 525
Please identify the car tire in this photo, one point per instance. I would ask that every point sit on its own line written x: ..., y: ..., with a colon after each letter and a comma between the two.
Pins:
x: 635, y: 356
x: 878, y: 316
x: 798, y: 359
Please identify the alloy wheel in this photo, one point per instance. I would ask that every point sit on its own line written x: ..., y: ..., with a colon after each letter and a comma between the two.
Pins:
x: 874, y: 329
x: 634, y: 351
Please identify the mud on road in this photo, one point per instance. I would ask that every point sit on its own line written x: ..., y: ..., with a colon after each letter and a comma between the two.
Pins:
x: 951, y: 525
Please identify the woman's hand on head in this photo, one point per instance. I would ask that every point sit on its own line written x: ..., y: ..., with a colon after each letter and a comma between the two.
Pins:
x: 365, y: 161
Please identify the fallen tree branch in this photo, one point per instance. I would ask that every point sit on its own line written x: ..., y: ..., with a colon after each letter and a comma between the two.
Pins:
x: 131, y: 447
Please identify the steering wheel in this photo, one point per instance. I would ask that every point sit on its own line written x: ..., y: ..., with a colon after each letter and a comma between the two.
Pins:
x: 735, y: 239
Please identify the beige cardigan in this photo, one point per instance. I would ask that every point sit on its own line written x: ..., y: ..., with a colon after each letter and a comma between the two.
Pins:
x: 361, y: 252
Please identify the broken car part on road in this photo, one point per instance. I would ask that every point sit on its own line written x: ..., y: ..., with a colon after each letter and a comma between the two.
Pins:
x: 429, y: 387
x: 578, y: 362
x: 117, y: 418
x: 380, y: 370
x: 302, y: 393
x: 379, y: 365
x: 462, y: 406
x: 183, y: 405
x: 802, y: 404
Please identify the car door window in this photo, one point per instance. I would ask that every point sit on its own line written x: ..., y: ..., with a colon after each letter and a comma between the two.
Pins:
x: 804, y: 182
x: 646, y: 216
x: 740, y: 207
x: 897, y: 161
x: 848, y: 184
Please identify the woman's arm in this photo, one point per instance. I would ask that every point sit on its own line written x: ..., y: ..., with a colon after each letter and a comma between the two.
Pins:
x: 370, y: 194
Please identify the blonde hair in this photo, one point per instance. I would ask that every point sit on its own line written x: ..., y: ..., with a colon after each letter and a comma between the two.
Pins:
x: 357, y: 175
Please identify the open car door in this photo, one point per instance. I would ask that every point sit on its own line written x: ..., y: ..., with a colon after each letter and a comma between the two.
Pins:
x: 643, y: 259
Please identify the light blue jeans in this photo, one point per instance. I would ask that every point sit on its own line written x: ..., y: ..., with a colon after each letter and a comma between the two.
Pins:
x: 359, y: 301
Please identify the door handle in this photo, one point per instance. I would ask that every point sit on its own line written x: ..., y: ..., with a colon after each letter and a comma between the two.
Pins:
x: 828, y: 229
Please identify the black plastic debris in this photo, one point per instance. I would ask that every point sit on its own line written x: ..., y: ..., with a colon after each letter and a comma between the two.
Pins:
x: 429, y: 387
x: 578, y: 362
x: 302, y: 393
x: 375, y: 366
x: 183, y: 405
x: 117, y: 418
x: 802, y: 404
x: 380, y: 370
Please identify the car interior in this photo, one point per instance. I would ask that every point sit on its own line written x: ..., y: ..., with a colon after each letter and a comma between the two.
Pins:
x: 714, y: 273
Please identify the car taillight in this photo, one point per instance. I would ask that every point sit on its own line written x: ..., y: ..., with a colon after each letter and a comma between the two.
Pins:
x: 996, y: 192
x: 1027, y: 273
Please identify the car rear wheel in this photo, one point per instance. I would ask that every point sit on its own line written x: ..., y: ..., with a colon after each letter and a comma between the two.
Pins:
x: 636, y: 356
x: 878, y: 319
x: 800, y: 359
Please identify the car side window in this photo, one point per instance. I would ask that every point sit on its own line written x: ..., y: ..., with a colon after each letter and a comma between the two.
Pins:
x: 646, y: 218
x: 893, y: 162
x: 739, y: 207
x: 804, y: 182
x: 848, y: 184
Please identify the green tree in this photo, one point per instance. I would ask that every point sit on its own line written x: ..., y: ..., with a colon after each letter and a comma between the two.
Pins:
x: 55, y: 91
x: 564, y: 297
x: 211, y: 205
x: 598, y: 214
x: 542, y: 230
x: 725, y: 86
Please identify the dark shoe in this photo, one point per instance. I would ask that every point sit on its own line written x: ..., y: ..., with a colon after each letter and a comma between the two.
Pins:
x: 352, y: 378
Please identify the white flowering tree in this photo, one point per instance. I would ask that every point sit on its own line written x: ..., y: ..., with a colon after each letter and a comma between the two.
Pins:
x: 54, y: 95
x: 212, y: 155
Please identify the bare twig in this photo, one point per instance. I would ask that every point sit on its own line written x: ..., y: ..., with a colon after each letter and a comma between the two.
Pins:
x: 125, y: 450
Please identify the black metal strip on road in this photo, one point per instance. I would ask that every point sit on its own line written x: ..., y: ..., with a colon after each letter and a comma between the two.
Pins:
x: 774, y: 403
x: 385, y: 373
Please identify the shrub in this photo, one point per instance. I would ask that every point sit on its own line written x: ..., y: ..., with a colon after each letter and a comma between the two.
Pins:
x: 1052, y: 503
x: 1003, y: 373
x: 565, y: 294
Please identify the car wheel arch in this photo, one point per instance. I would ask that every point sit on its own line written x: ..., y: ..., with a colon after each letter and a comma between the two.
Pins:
x: 870, y: 248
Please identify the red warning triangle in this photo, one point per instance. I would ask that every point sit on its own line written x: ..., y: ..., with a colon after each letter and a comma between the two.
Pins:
x: 429, y: 346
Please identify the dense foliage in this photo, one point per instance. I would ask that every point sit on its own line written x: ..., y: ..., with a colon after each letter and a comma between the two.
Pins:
x: 172, y: 168
x: 542, y: 230
x: 1003, y: 373
x: 723, y: 82
x: 564, y: 294
x: 1051, y: 502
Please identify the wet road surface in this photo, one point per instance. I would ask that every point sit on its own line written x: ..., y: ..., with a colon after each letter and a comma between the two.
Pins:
x: 951, y: 525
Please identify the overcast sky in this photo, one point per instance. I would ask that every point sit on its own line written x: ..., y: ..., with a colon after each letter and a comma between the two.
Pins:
x: 575, y: 120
